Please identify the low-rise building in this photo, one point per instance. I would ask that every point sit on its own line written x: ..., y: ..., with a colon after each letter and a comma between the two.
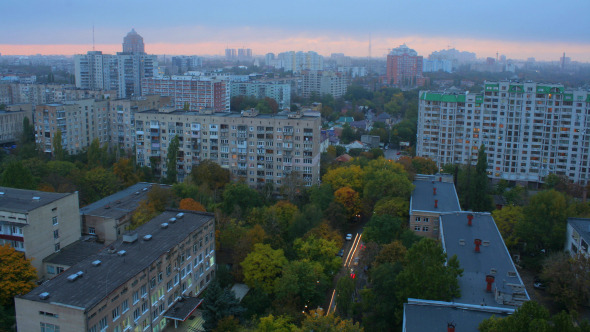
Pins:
x: 432, y: 196
x: 577, y: 236
x: 11, y: 122
x: 134, y: 283
x: 38, y: 223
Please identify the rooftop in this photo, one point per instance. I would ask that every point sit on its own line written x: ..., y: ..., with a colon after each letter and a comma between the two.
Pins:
x: 458, y: 238
x: 120, y: 203
x: 582, y: 226
x: 74, y: 252
x: 280, y: 116
x: 114, y: 269
x: 424, y: 195
x: 23, y: 201
x: 440, y: 314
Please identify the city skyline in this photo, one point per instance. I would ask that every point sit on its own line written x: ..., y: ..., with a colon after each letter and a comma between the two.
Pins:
x: 519, y: 31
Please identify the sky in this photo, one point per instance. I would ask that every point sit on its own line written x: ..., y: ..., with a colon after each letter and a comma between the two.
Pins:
x: 519, y: 29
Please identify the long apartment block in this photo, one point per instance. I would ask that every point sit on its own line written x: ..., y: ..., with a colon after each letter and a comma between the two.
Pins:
x: 530, y: 130
x: 142, y: 282
x: 258, y: 148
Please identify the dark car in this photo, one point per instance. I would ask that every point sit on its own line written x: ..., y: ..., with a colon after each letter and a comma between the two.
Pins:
x: 340, y: 253
x: 539, y: 284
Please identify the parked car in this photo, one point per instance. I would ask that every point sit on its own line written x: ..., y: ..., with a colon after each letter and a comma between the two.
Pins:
x: 398, y: 153
x: 340, y: 253
x: 348, y: 237
x: 538, y: 284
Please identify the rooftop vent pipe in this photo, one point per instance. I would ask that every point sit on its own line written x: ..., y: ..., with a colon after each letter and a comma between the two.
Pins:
x: 436, y: 203
x: 489, y: 280
x: 469, y: 219
x: 477, y: 243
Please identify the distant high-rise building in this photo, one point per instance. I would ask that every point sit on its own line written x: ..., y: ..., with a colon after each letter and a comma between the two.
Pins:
x: 133, y: 43
x: 404, y: 67
x: 324, y: 83
x: 230, y: 53
x: 298, y: 61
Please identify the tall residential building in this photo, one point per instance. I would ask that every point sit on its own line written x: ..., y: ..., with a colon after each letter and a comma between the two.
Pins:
x: 280, y: 92
x: 38, y: 223
x: 196, y: 92
x: 187, y: 63
x: 79, y: 122
x: 324, y: 82
x: 529, y: 130
x: 122, y: 72
x: 133, y: 43
x: 280, y: 149
x: 147, y: 280
x: 404, y: 67
x: 122, y: 117
x: 298, y: 61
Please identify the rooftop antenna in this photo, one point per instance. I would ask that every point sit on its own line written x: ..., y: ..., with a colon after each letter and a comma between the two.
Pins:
x: 92, y: 36
x: 369, y: 52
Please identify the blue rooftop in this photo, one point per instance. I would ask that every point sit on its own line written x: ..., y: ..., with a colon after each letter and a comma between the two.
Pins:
x: 424, y: 195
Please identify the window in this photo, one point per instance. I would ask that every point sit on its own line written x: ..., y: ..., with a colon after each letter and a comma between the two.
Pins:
x: 125, y: 306
x: 169, y: 285
x: 102, y: 324
x: 143, y: 290
x: 54, y: 220
x: 50, y: 269
x: 56, y: 234
x: 160, y: 277
x: 57, y: 247
x: 46, y: 327
x: 116, y: 314
x: 426, y: 219
x: 153, y: 283
x: 144, y: 307
x: 136, y: 314
x: 135, y: 297
x: 417, y: 218
x: 417, y: 228
x: 91, y: 230
x: 425, y: 228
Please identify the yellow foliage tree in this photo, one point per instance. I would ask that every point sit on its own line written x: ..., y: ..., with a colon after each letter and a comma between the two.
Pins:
x: 123, y: 169
x: 17, y: 275
x: 347, y: 176
x: 191, y: 204
x: 350, y: 199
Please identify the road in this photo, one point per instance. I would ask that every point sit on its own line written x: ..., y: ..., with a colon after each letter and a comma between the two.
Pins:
x: 392, y: 154
x: 347, y: 266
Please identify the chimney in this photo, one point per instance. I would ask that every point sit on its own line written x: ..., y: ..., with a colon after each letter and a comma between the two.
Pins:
x: 434, y: 190
x: 440, y: 179
x: 450, y: 327
x: 490, y: 280
x: 477, y: 243
x: 436, y: 203
x: 469, y: 219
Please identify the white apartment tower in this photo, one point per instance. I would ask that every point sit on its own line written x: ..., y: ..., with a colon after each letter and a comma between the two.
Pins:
x: 530, y: 130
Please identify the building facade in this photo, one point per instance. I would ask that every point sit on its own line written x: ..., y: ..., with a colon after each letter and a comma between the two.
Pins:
x: 11, y: 122
x: 529, y: 130
x: 298, y: 61
x: 79, y: 122
x: 133, y: 43
x: 133, y: 285
x: 324, y: 83
x: 280, y: 92
x: 196, y: 92
x: 404, y: 67
x: 577, y: 236
x: 259, y: 149
x: 38, y: 223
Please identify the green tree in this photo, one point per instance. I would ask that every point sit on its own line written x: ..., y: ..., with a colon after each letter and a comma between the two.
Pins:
x: 344, y: 295
x: 211, y: 174
x: 58, y: 150
x: 28, y: 134
x: 217, y: 304
x: 383, y: 229
x: 171, y: 170
x: 272, y: 323
x: 320, y: 250
x: 568, y: 278
x: 302, y: 283
x: 239, y: 198
x: 15, y: 175
x: 391, y: 253
x: 124, y: 170
x: 96, y: 184
x: 480, y: 200
x: 506, y: 220
x: 544, y: 222
x: 348, y: 134
x: 394, y: 206
x: 17, y: 275
x: 316, y: 320
x: 427, y: 274
x: 346, y: 176
x: 94, y: 153
x: 263, y: 267
x: 531, y: 316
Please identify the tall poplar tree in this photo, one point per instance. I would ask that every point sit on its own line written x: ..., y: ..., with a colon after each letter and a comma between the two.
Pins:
x: 479, y: 198
x: 171, y: 171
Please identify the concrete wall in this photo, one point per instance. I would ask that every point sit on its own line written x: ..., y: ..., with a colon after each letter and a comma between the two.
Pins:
x: 30, y: 315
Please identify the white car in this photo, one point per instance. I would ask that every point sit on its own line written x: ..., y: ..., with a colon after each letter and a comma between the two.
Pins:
x: 348, y: 237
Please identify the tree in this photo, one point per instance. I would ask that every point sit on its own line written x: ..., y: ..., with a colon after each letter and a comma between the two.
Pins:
x: 323, y: 251
x: 480, y: 200
x: 94, y: 154
x: 238, y: 197
x: 393, y: 206
x: 544, y: 222
x: 531, y: 316
x: 28, y: 135
x: 568, y: 278
x: 210, y: 174
x: 191, y: 204
x: 217, y: 304
x: 15, y: 175
x: 348, y: 135
x: 96, y: 184
x: 171, y: 170
x: 17, y: 275
x: 124, y: 170
x: 427, y: 274
x: 302, y: 283
x: 58, y: 150
x: 316, y: 320
x: 350, y: 199
x: 228, y: 324
x: 346, y: 176
x: 272, y: 323
x: 506, y: 220
x: 263, y: 267
x: 383, y: 229
x: 344, y: 292
x: 392, y: 253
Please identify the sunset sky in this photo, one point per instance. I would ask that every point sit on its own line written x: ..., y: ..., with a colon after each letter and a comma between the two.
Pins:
x: 517, y: 28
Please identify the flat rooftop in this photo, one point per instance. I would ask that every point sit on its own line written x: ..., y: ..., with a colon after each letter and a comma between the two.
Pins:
x: 74, y: 252
x: 23, y: 201
x: 99, y: 281
x: 119, y: 204
x: 280, y: 116
x: 440, y: 314
x: 423, y: 196
x: 493, y: 259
